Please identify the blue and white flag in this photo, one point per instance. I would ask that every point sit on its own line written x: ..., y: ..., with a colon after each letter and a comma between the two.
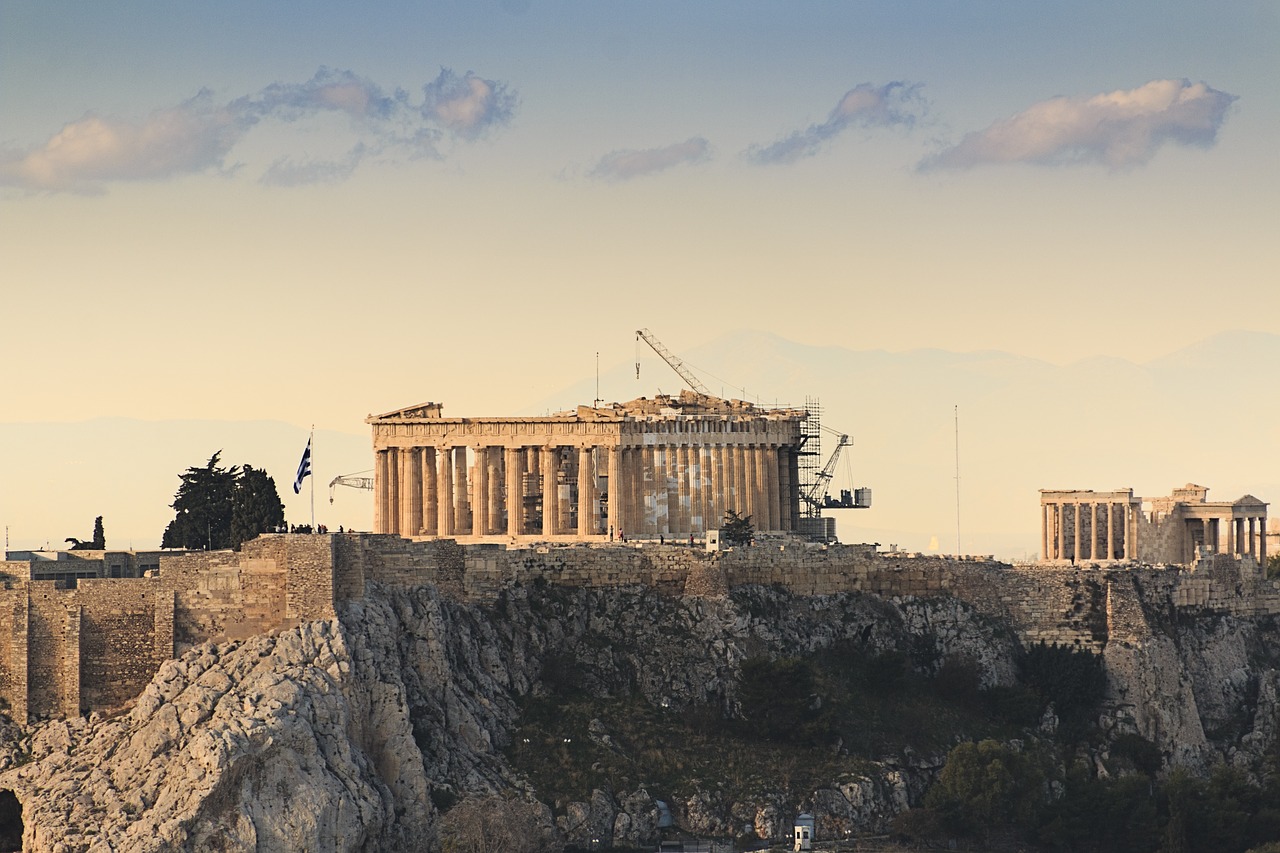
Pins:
x: 304, y: 468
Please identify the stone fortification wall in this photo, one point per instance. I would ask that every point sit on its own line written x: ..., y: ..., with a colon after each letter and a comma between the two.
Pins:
x: 94, y: 647
x: 1063, y: 605
x: 309, y: 564
x: 13, y: 651
x: 390, y: 559
x: 126, y: 632
x: 15, y: 570
x: 223, y: 595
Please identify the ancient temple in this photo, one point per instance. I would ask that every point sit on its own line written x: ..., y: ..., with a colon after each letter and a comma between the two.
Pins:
x: 1087, y: 526
x: 665, y: 467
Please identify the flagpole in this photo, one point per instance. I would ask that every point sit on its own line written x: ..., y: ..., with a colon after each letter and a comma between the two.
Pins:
x: 310, y: 443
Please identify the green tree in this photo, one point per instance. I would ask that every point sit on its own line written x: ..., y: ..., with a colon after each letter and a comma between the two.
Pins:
x: 777, y: 698
x: 737, y: 529
x: 491, y: 824
x: 202, y: 508
x: 255, y: 506
x: 97, y: 543
x: 218, y: 507
x: 1074, y: 681
x: 987, y: 785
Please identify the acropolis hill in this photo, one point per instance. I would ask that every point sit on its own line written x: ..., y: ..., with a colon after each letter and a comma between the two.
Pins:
x: 474, y: 506
x: 337, y: 691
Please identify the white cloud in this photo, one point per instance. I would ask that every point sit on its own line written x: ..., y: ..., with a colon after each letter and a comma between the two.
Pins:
x: 1118, y: 129
x: 627, y: 164
x: 197, y: 135
x: 467, y: 105
x: 189, y: 137
x: 865, y: 105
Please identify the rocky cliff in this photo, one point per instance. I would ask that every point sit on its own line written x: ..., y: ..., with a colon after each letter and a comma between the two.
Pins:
x: 352, y: 734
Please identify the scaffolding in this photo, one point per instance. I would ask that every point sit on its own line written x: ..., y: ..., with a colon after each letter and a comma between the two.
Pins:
x: 810, y: 454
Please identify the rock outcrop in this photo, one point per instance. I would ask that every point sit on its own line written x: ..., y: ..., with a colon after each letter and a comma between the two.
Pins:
x: 346, y: 734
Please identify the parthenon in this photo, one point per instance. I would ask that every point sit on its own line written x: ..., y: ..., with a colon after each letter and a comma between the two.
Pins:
x: 670, y: 466
x: 1088, y: 526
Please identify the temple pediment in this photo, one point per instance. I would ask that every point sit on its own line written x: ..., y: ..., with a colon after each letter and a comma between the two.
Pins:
x: 421, y: 410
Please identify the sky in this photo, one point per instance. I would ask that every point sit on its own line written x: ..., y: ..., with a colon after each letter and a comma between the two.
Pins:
x: 254, y: 211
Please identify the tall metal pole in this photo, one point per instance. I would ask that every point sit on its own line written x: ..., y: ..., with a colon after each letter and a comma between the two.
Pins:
x: 311, y: 444
x: 957, y: 413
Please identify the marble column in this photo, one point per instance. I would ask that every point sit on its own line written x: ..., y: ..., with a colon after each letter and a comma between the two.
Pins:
x: 1093, y: 530
x: 1060, y: 512
x: 741, y: 503
x: 614, y: 509
x: 703, y: 491
x: 752, y: 485
x: 633, y: 480
x: 678, y: 492
x: 1253, y: 551
x: 773, y: 491
x: 515, y: 490
x: 550, y: 497
x: 444, y: 480
x: 786, y: 488
x: 430, y: 493
x: 393, y: 489
x: 461, y: 492
x: 1130, y: 533
x: 1044, y: 532
x: 586, y: 493
x: 493, y: 459
x: 564, y: 493
x: 1111, y: 531
x: 480, y: 492
x: 653, y: 479
x: 715, y: 491
x: 412, y: 486
x: 382, y: 480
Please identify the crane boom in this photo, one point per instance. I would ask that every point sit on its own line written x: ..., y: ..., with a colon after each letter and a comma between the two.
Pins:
x: 817, y: 493
x: 351, y: 481
x: 674, y: 363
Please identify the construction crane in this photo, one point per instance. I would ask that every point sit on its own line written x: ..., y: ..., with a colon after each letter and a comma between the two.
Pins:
x: 816, y: 498
x: 666, y: 355
x: 352, y: 480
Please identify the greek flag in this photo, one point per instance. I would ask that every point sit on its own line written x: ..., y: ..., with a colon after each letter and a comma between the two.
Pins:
x: 304, y: 468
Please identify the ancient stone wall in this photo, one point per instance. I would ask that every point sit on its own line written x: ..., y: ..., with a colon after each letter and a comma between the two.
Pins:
x: 222, y: 595
x: 13, y: 651
x: 390, y: 559
x: 118, y: 638
x: 94, y: 647
x: 53, y: 658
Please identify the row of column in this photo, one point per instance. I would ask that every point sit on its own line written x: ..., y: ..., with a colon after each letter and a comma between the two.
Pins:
x: 1070, y: 531
x: 1245, y: 535
x: 678, y: 490
x: 550, y: 490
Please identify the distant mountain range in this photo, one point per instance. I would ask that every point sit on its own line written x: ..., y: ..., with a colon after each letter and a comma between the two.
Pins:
x: 1200, y: 414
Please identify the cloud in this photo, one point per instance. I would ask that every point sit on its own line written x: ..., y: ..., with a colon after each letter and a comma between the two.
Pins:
x: 285, y: 172
x: 190, y: 137
x: 865, y: 105
x: 1118, y: 129
x: 625, y: 165
x: 467, y: 105
x: 198, y: 134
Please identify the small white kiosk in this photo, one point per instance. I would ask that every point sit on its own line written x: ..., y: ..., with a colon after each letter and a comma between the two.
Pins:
x: 804, y: 832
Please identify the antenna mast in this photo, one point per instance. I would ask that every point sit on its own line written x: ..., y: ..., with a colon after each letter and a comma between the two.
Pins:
x: 958, y: 551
